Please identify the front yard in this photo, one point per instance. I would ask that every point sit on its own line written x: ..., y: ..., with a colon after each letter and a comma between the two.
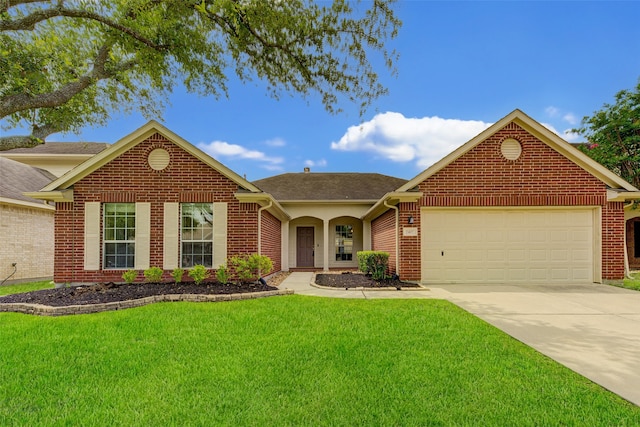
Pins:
x: 290, y: 360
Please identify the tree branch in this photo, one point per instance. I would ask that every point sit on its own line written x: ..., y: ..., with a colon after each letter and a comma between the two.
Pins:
x: 38, y: 135
x: 29, y: 22
x: 22, y: 101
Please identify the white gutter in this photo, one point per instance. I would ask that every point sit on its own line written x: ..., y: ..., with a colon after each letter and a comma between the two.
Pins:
x: 395, y: 208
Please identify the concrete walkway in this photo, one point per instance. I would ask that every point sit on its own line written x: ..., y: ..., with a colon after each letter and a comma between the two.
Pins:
x: 592, y: 329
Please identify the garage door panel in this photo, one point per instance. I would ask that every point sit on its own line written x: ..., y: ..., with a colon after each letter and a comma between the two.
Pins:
x: 512, y: 245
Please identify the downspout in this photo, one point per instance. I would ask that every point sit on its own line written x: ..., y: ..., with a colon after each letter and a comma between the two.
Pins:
x: 395, y: 208
x: 627, y: 270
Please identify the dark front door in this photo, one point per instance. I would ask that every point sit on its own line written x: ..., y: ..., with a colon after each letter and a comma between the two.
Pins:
x: 304, y: 245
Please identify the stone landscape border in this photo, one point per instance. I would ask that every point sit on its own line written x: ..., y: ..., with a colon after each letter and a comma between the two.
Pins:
x: 45, y: 310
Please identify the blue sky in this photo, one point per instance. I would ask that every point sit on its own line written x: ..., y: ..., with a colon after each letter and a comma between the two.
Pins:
x: 463, y: 66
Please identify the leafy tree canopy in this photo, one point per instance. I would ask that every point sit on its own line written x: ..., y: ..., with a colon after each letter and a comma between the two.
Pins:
x: 613, y: 135
x: 65, y: 64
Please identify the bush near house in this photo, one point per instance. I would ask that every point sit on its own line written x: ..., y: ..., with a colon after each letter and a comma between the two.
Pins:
x: 374, y: 263
x: 153, y: 274
x: 129, y: 276
x: 249, y: 268
x: 198, y: 273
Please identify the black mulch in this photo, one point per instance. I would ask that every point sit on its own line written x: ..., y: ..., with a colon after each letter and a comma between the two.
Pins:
x: 112, y: 292
x: 348, y: 280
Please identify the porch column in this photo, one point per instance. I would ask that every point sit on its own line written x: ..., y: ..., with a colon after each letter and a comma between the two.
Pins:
x: 325, y: 230
x: 366, y: 236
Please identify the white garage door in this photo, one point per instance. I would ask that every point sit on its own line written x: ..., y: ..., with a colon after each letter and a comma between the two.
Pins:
x: 507, y: 245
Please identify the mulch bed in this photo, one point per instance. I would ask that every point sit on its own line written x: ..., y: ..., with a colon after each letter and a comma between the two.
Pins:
x: 114, y: 292
x: 347, y: 280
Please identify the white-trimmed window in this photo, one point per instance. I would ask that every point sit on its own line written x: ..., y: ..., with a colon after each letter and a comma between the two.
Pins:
x: 344, y: 242
x: 119, y: 235
x: 196, y: 234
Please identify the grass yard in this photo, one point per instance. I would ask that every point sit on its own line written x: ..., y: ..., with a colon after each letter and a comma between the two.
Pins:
x: 633, y: 283
x: 291, y: 360
x: 25, y: 287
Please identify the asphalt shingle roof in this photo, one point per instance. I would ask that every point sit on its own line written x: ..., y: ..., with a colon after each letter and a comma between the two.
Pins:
x: 16, y: 178
x: 308, y: 186
x: 63, y: 148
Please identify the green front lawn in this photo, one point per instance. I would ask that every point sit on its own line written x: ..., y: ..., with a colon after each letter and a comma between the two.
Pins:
x: 25, y: 287
x: 633, y: 283
x: 291, y: 360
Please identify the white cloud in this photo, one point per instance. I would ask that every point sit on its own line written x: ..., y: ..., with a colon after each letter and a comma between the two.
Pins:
x: 552, y: 111
x: 400, y: 139
x: 571, y: 119
x: 276, y: 142
x: 312, y: 163
x: 218, y: 149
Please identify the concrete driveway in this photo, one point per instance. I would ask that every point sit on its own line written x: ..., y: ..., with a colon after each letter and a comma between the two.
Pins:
x: 592, y: 329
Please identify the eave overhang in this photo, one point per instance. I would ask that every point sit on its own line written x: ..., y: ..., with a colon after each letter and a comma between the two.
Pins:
x: 622, y: 196
x: 52, y: 196
x: 392, y: 198
x: 264, y: 200
x: 24, y: 203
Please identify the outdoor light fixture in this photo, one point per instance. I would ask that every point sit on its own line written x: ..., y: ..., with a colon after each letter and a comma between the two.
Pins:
x: 410, y: 219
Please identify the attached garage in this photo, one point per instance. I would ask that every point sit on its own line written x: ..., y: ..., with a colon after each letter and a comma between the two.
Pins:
x: 510, y: 245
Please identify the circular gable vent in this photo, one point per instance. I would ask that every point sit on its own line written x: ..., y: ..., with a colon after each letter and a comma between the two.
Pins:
x: 511, y: 149
x: 158, y: 159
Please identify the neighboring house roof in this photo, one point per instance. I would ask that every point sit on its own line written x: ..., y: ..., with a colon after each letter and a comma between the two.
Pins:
x: 308, y: 186
x: 17, y: 178
x: 62, y: 148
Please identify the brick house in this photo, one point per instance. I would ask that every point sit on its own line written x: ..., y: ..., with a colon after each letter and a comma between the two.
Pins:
x: 26, y: 224
x: 514, y: 204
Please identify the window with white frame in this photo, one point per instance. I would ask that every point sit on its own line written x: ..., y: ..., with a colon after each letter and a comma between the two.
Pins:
x: 119, y: 235
x: 344, y: 242
x: 196, y: 234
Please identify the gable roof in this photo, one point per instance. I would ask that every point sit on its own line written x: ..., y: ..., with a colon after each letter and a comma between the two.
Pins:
x: 543, y: 134
x: 130, y: 141
x: 74, y: 148
x: 311, y: 186
x: 17, y: 178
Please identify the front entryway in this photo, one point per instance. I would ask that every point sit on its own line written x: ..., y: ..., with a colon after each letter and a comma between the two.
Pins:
x: 305, y: 247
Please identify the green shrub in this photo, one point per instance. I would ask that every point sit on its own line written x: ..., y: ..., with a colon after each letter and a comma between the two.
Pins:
x: 129, y: 276
x: 248, y: 268
x: 198, y: 273
x: 153, y: 274
x: 177, y: 274
x: 375, y: 263
x: 222, y: 274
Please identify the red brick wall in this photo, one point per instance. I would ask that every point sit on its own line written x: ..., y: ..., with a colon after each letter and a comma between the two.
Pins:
x: 271, y: 239
x: 383, y: 236
x: 613, y: 229
x: 410, y: 268
x: 539, y: 177
x: 128, y: 178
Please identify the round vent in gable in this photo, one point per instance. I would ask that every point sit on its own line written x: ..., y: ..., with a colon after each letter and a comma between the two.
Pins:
x: 511, y: 149
x: 158, y: 159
